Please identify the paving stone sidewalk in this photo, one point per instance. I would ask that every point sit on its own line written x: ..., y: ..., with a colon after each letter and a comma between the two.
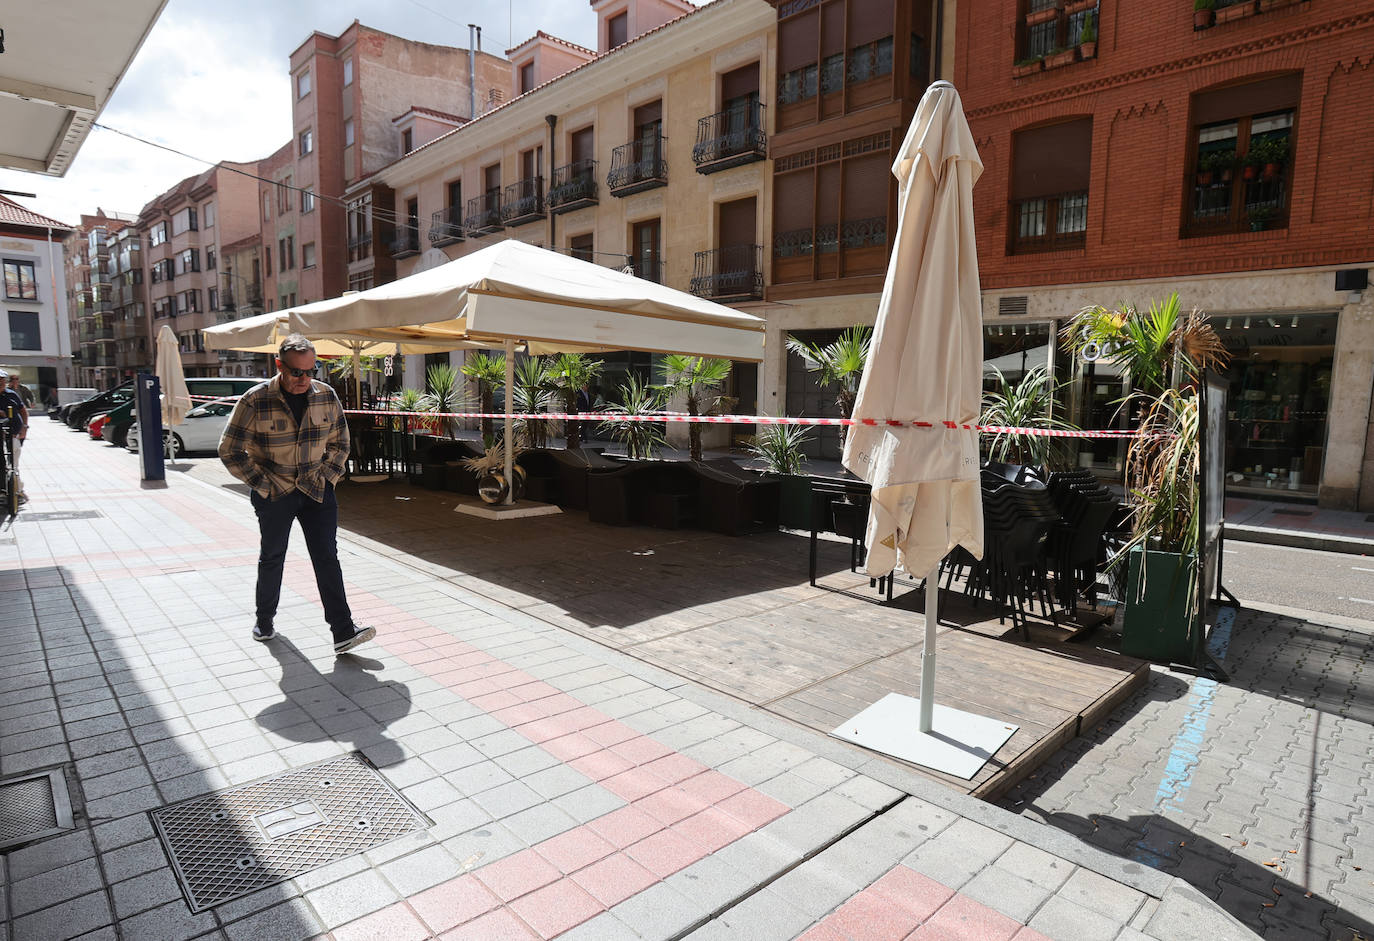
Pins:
x: 573, y: 792
x: 1256, y: 791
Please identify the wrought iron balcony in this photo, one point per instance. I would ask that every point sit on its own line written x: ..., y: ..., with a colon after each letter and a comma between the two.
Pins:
x: 637, y: 166
x: 730, y: 138
x: 360, y: 247
x: 446, y: 226
x: 523, y: 202
x: 733, y: 273
x: 484, y: 214
x: 574, y: 186
x: 406, y: 243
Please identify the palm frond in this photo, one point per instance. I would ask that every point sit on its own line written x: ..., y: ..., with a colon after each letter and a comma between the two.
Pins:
x: 641, y: 439
x: 780, y: 448
x: 1027, y: 404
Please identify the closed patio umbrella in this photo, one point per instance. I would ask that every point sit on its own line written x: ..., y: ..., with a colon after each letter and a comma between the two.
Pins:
x: 925, y: 364
x: 176, y: 400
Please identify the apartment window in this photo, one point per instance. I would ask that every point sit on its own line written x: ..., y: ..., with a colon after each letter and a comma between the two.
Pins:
x: 348, y: 133
x: 307, y: 200
x: 360, y: 281
x: 24, y: 333
x: 303, y: 84
x: 645, y: 239
x: 491, y: 177
x: 308, y: 255
x: 284, y: 196
x: 267, y: 262
x: 307, y: 141
x: 159, y: 234
x: 212, y: 299
x: 189, y: 261
x: 207, y: 215
x: 20, y: 284
x: 209, y: 259
x: 184, y: 221
x: 526, y: 77
x: 189, y: 302
x: 1242, y: 137
x: 1049, y: 187
x: 617, y: 30
x: 286, y: 253
x: 455, y: 193
x: 266, y: 205
x: 407, y: 141
x: 348, y: 72
x: 581, y: 247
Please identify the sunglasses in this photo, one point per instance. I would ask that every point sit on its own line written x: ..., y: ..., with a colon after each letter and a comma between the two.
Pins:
x: 298, y: 373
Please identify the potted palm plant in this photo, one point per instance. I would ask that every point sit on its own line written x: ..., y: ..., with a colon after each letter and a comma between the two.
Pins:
x: 1162, y: 351
x: 1027, y: 404
x: 642, y: 439
x: 533, y: 392
x: 570, y: 373
x: 697, y: 378
x: 1087, y: 37
x: 839, y: 364
x: 488, y: 371
x: 444, y: 394
x: 780, y: 447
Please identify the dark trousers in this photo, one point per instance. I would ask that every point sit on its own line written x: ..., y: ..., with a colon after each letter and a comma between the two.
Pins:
x: 320, y: 523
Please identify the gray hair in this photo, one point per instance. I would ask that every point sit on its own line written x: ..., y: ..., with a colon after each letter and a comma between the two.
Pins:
x: 295, y: 343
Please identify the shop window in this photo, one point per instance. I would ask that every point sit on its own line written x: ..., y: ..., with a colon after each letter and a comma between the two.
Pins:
x: 1049, y: 190
x: 1240, y: 157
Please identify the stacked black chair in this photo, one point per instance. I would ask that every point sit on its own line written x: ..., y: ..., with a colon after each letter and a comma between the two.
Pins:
x: 1013, y: 574
x: 1077, y: 546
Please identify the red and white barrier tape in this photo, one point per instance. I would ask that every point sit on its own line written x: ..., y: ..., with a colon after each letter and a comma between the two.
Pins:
x: 757, y: 420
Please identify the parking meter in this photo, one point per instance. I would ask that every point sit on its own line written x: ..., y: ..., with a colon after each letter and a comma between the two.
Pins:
x: 148, y: 405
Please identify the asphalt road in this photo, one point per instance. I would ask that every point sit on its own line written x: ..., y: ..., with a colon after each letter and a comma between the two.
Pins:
x: 1330, y: 582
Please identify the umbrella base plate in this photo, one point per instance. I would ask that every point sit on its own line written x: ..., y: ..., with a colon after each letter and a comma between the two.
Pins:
x: 520, y: 509
x: 959, y: 743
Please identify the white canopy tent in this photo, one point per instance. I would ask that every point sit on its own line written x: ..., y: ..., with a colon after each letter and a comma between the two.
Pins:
x: 512, y: 293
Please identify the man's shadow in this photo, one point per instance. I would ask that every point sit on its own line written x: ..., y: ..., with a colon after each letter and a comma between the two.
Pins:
x: 349, y: 704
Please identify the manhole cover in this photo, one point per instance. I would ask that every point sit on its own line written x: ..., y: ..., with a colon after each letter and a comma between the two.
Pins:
x: 239, y: 840
x: 49, y: 516
x: 33, y: 807
x: 1292, y: 512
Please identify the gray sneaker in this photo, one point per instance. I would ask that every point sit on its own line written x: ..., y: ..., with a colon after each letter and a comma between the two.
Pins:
x: 262, y: 633
x: 360, y: 635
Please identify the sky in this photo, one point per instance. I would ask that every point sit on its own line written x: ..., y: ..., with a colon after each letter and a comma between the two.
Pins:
x: 211, y: 80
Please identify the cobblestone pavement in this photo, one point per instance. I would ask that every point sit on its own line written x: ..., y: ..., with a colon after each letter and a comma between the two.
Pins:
x: 1257, y: 791
x: 572, y: 791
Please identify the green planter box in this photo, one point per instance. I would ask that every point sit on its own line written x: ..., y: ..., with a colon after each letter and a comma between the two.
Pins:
x: 1157, y: 623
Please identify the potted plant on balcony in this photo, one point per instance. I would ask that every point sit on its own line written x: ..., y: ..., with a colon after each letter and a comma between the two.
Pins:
x: 1023, y: 67
x: 1046, y: 13
x: 1227, y: 12
x: 1087, y: 37
x: 1260, y: 217
x: 780, y: 449
x: 1271, y: 154
x: 1204, y: 13
x: 1059, y: 56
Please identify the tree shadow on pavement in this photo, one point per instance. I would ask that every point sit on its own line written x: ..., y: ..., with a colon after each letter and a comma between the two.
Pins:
x: 1261, y: 885
x: 349, y: 704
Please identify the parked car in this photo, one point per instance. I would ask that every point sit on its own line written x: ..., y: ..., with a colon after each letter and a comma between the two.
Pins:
x: 80, y: 413
x: 94, y: 426
x: 201, y: 388
x: 200, y: 432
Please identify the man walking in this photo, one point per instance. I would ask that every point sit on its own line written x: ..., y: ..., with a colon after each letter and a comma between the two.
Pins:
x: 288, y: 440
x: 12, y: 404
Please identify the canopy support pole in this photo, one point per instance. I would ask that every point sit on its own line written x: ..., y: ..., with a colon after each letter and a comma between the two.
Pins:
x: 510, y: 392
x: 928, y: 649
x: 357, y: 374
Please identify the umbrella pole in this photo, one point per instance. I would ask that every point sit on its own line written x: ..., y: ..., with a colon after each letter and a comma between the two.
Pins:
x: 357, y: 374
x: 510, y: 387
x: 928, y: 650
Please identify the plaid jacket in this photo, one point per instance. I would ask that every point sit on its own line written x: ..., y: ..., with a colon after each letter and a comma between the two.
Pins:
x: 263, y: 447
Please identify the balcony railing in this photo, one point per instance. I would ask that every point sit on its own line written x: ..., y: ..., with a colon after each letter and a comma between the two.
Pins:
x: 104, y: 332
x: 483, y: 215
x: 730, y: 138
x: 523, y: 202
x: 733, y: 273
x: 360, y: 247
x: 446, y: 226
x: 649, y: 269
x: 1240, y: 205
x: 1050, y: 223
x: 637, y: 166
x: 406, y: 243
x: 574, y: 186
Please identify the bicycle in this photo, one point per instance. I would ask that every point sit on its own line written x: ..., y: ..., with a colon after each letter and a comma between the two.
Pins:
x: 11, y: 476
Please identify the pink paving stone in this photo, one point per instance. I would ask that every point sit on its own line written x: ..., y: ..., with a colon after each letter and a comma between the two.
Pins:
x: 561, y: 703
x: 599, y: 765
x: 1029, y: 934
x: 572, y: 850
x: 500, y: 925
x: 556, y: 908
x: 568, y: 747
x: 610, y: 733
x: 471, y: 689
x: 492, y: 701
x: 674, y: 768
x: 614, y: 879
x: 625, y: 826
x: 633, y: 784
x: 517, y: 715
x: 517, y: 875
x: 823, y: 932
x: 873, y: 918
x: 665, y: 852
x: 453, y: 902
x: 583, y: 718
x: 753, y: 808
x: 917, y: 893
x: 394, y: 923
x: 669, y: 805
x: 711, y: 829
x: 641, y: 750
x: 541, y: 730
x: 961, y: 917
x: 712, y: 786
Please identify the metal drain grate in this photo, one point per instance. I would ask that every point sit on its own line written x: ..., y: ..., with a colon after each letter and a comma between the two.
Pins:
x: 33, y: 807
x: 242, y: 839
x: 49, y: 516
